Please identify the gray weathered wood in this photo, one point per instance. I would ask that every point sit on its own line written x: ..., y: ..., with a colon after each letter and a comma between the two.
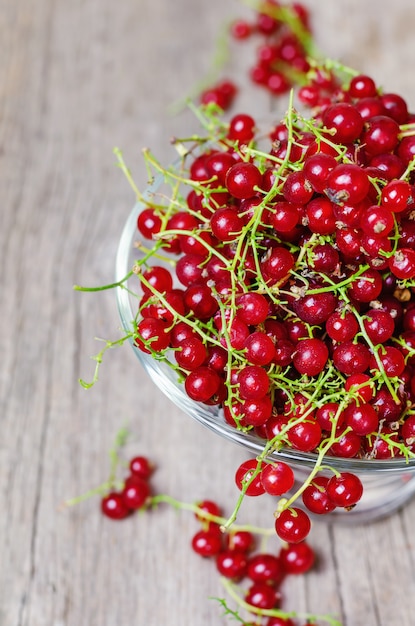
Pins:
x: 76, y: 79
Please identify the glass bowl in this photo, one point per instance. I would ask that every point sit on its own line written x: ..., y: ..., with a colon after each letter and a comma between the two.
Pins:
x: 388, y: 484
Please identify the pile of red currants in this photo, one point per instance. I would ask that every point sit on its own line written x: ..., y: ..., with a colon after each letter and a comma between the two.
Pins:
x: 291, y: 304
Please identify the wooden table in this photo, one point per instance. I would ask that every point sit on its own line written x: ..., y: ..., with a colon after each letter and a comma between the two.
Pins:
x: 77, y: 79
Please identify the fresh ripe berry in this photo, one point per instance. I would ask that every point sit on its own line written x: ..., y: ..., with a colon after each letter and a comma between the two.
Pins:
x: 207, y: 543
x: 202, y: 383
x: 241, y: 128
x: 265, y: 568
x: 361, y: 418
x: 310, y: 356
x: 315, y: 308
x: 362, y: 86
x: 245, y: 473
x: 315, y: 497
x: 292, y: 525
x: 152, y: 334
x: 381, y: 135
x: 114, y: 506
x: 253, y: 382
x: 252, y: 308
x: 402, y: 263
x: 347, y: 182
x: 305, y: 436
x: 345, y: 490
x: 277, y: 478
x: 297, y: 558
x: 135, y: 493
x: 149, y: 223
x: 232, y: 564
x: 351, y: 358
x: 262, y: 596
x: 345, y: 120
x: 141, y: 466
x: 242, y: 179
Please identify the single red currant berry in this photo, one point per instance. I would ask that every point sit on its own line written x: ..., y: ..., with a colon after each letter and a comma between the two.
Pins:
x: 397, y: 195
x: 402, y: 263
x: 265, y: 568
x: 277, y: 478
x: 342, y: 326
x: 207, y: 543
x: 315, y: 308
x: 262, y: 596
x: 152, y: 334
x: 305, y: 435
x: 242, y: 180
x: 351, y: 358
x: 202, y: 383
x: 226, y: 224
x: 362, y: 87
x: 361, y: 386
x: 253, y: 382
x: 310, y: 356
x: 292, y: 525
x: 381, y: 135
x: 141, y: 466
x: 149, y: 223
x: 232, y: 564
x: 135, y: 493
x: 315, y: 497
x: 367, y: 286
x: 345, y: 490
x: 345, y: 120
x: 297, y: 558
x: 347, y: 182
x: 247, y: 474
x: 241, y: 128
x: 297, y: 189
x: 252, y: 308
x: 260, y: 349
x: 114, y: 507
x: 362, y: 419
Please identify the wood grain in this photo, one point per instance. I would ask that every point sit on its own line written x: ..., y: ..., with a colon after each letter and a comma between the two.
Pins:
x: 76, y: 79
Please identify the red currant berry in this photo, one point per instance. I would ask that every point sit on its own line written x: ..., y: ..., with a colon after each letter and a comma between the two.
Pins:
x: 242, y: 180
x: 265, y: 568
x: 345, y: 490
x: 315, y: 497
x: 245, y: 474
x: 114, y: 507
x: 207, y: 543
x: 310, y: 356
x: 141, y: 466
x: 297, y: 558
x: 292, y: 525
x: 202, y: 383
x: 135, y: 493
x: 277, y: 478
x: 232, y: 564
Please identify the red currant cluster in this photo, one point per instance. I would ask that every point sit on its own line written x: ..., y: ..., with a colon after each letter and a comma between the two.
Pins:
x: 292, y: 304
x: 135, y: 492
x: 236, y: 559
x: 284, y: 43
x: 320, y: 494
